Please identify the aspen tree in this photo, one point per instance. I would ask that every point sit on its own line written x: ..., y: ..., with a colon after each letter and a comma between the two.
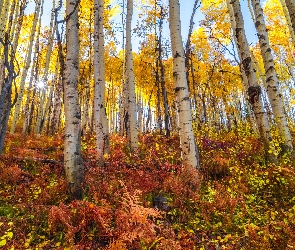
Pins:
x: 188, y: 145
x: 86, y: 100
x: 85, y: 107
x: 5, y: 94
x: 101, y: 122
x: 33, y: 34
x: 251, y: 84
x: 272, y: 82
x: 123, y: 101
x: 131, y: 100
x: 59, y: 83
x: 140, y: 111
x: 244, y: 77
x: 48, y: 107
x: 72, y: 149
x: 188, y: 43
x: 162, y: 70
x: 57, y: 107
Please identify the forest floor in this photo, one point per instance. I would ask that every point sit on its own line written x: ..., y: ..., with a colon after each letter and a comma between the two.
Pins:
x: 240, y: 203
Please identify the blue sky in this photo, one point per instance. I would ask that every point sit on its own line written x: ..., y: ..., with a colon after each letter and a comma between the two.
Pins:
x: 185, y: 8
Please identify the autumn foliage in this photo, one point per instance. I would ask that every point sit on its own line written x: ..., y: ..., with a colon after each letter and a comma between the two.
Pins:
x: 241, y: 202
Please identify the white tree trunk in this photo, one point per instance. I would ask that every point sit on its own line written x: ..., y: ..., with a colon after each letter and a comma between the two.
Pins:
x: 272, y: 86
x: 188, y: 145
x: 72, y: 150
x: 57, y: 105
x: 101, y: 122
x: 131, y: 114
x: 251, y: 84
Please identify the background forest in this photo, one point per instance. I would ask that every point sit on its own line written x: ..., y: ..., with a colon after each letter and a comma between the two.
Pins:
x: 120, y: 136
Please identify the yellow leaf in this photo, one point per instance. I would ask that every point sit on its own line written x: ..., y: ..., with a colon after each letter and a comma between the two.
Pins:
x: 3, y: 242
x: 9, y: 235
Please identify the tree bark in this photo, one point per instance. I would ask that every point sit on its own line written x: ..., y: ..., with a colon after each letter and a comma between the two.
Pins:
x: 188, y: 43
x: 72, y: 150
x: 188, y: 145
x: 162, y: 70
x: 131, y: 114
x: 5, y: 95
x: 101, y: 122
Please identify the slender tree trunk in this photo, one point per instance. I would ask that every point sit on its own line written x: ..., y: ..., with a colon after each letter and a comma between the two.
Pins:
x: 251, y: 84
x: 123, y: 101
x: 72, y: 152
x: 85, y: 111
x: 162, y: 70
x: 101, y: 122
x: 132, y: 117
x: 59, y: 83
x: 159, y: 110
x: 188, y: 43
x: 140, y: 110
x: 187, y: 139
x: 57, y: 105
x: 5, y: 95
